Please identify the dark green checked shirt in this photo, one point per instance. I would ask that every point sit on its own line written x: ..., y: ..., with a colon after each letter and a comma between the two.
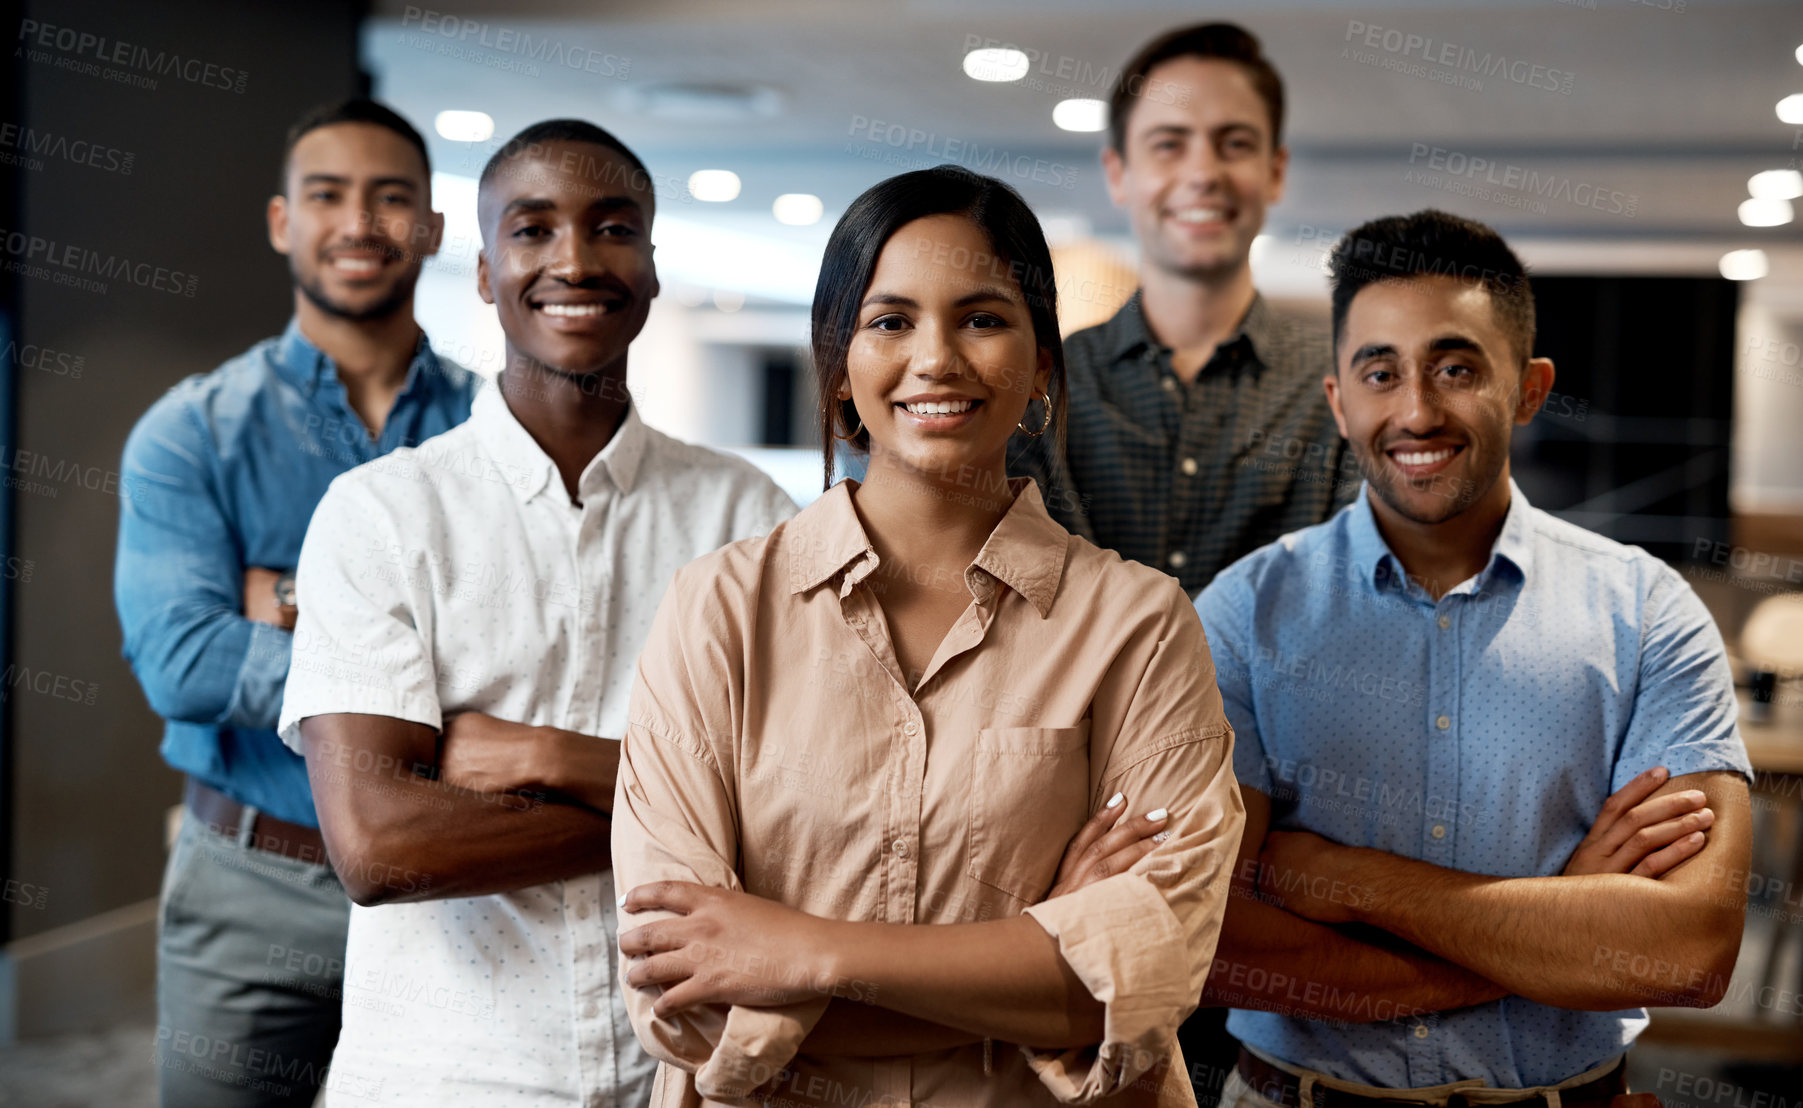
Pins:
x: 1189, y: 478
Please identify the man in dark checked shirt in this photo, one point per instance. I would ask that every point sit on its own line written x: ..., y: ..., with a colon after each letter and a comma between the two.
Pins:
x: 1197, y: 427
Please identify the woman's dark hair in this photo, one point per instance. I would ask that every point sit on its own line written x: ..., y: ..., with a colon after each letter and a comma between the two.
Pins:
x: 1019, y: 254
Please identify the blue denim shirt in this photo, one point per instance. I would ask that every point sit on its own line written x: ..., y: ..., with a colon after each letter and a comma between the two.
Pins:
x: 220, y: 474
x: 1480, y: 732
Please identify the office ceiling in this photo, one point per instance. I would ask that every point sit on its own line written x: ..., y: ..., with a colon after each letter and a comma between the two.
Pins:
x: 1605, y: 128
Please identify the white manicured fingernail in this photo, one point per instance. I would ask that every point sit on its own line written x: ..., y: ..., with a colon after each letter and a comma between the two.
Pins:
x: 1115, y: 800
x: 1161, y: 836
x: 623, y: 900
x: 1157, y: 814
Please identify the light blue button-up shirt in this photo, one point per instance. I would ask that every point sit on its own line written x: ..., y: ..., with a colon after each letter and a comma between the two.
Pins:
x: 220, y: 474
x: 1480, y: 732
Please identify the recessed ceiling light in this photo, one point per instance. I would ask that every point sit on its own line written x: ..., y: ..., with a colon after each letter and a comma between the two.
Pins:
x: 1765, y: 213
x: 715, y: 185
x: 1790, y: 109
x: 1744, y: 265
x: 464, y: 126
x: 1775, y: 184
x: 1081, y: 115
x: 1800, y: 55
x: 996, y: 63
x: 729, y: 300
x: 798, y: 209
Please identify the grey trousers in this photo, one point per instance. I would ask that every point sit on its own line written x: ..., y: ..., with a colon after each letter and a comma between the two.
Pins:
x: 250, y: 974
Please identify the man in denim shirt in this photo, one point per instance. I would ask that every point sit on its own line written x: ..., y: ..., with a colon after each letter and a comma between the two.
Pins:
x: 231, y: 464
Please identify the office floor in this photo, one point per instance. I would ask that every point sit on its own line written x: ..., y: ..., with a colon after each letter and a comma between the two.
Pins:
x: 110, y: 1068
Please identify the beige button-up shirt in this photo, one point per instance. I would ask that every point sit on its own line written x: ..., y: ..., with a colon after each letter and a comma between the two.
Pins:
x: 775, y: 746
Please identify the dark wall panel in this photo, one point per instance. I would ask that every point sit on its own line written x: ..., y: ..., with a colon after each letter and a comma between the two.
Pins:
x: 143, y: 258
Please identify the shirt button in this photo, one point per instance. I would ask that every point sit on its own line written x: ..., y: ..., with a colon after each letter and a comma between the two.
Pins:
x: 1439, y: 830
x: 590, y: 1010
x: 582, y: 910
x: 1189, y: 467
x: 901, y: 848
x: 1177, y: 559
x: 910, y: 727
x: 1169, y: 383
x: 1445, y: 622
x: 1443, y: 723
x: 1421, y: 1031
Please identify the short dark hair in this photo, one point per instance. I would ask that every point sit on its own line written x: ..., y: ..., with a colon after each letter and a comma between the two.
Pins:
x: 1223, y: 41
x: 857, y: 243
x: 1433, y: 243
x: 542, y: 134
x: 355, y: 110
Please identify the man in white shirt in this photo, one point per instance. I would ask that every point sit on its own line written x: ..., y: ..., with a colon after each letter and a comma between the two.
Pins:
x: 474, y: 611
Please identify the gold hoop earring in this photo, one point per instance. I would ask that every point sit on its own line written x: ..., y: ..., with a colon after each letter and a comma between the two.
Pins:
x: 1043, y: 426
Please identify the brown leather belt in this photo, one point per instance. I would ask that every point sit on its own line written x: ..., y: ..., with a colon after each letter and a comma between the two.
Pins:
x: 1282, y: 1087
x: 223, y: 814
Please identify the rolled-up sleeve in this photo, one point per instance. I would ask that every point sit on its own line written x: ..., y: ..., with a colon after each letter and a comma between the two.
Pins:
x: 1142, y: 941
x: 675, y: 819
x: 178, y: 582
x: 359, y: 645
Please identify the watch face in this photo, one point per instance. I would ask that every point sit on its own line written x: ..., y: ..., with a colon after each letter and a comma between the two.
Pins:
x: 284, y: 590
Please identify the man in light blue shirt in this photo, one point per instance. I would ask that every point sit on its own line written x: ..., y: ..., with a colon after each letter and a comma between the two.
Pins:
x: 224, y: 472
x: 1435, y: 695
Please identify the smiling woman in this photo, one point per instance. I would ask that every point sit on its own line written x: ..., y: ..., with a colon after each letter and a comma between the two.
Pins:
x: 937, y: 221
x: 1025, y: 789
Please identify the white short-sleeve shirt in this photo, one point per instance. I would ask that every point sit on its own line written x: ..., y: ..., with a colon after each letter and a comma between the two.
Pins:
x: 458, y: 576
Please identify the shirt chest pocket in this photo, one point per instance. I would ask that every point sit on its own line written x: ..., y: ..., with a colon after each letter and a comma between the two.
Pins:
x: 1029, y: 788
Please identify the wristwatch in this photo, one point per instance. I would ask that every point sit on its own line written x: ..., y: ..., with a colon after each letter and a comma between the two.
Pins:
x: 284, y: 590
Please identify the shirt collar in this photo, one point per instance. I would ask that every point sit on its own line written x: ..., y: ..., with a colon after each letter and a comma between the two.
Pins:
x: 1129, y: 334
x: 1026, y: 551
x: 526, y: 467
x: 1513, y: 547
x: 306, y: 366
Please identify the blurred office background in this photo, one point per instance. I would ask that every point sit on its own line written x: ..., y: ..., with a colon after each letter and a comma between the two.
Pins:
x: 1641, y: 155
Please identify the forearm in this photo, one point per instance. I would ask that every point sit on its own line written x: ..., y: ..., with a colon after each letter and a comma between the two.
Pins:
x: 862, y: 1030
x: 1273, y: 960
x: 582, y: 767
x: 1600, y: 942
x: 216, y: 668
x: 1004, y: 979
x: 394, y: 836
